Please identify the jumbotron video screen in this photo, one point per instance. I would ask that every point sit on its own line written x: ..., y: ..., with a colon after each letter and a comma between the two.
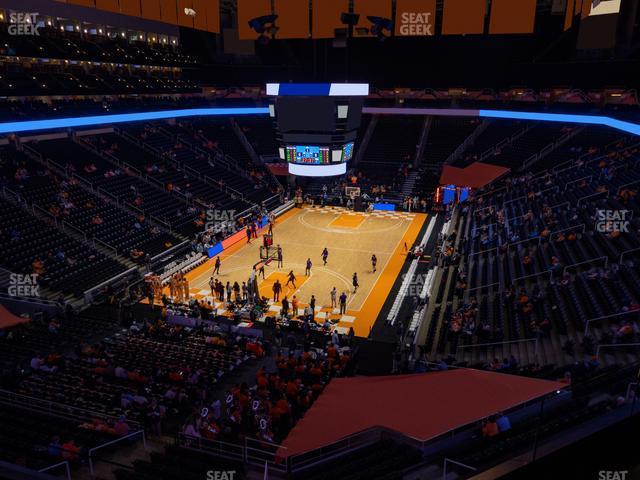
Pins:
x: 317, y: 125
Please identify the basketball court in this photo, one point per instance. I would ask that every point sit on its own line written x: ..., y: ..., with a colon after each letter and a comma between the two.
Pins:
x: 351, y: 238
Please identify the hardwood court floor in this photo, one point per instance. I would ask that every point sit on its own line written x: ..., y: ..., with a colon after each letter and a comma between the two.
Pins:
x: 350, y: 237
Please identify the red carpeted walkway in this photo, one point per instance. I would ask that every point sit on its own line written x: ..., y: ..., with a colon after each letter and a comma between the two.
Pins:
x: 476, y: 175
x: 422, y: 406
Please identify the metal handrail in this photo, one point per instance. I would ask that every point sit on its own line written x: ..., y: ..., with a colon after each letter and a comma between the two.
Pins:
x: 87, y: 183
x: 626, y: 185
x: 525, y: 240
x: 475, y: 345
x: 627, y: 251
x: 155, y: 180
x: 591, y: 260
x: 483, y: 251
x: 483, y: 286
x: 592, y: 195
x: 51, y: 467
x: 611, y: 345
x: 590, y: 177
x: 460, y: 464
x: 546, y: 272
x: 55, y: 408
x: 130, y: 167
x: 606, y: 317
x: 66, y: 225
x: 105, y: 245
x: 112, y: 442
x: 44, y: 212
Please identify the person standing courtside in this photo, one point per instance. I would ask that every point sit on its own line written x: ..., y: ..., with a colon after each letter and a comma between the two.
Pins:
x: 312, y: 305
x: 343, y: 303
x: 325, y: 255
x: 307, y: 271
x: 291, y: 279
x: 277, y: 288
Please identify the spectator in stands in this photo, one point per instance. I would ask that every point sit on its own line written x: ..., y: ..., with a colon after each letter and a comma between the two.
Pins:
x: 54, y: 449
x: 490, y: 428
x: 70, y: 451
x: 121, y: 428
x: 503, y: 423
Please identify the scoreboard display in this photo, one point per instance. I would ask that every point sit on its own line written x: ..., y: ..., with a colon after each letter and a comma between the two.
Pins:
x: 316, y: 125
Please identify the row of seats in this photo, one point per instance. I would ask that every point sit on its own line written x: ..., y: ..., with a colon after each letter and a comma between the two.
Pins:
x: 69, y: 202
x: 54, y: 43
x: 535, y: 262
x: 61, y: 262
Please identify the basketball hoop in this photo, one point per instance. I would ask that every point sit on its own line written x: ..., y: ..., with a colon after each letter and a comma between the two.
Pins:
x: 352, y: 192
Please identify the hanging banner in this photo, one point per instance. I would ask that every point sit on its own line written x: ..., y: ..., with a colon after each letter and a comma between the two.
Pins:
x: 463, y: 17
x: 415, y: 18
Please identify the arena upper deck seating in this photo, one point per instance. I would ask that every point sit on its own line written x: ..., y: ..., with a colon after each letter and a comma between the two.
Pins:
x: 67, y: 265
x: 530, y: 143
x: 445, y: 135
x: 494, y: 133
x: 122, y: 224
x: 53, y: 43
x: 178, y: 461
x: 26, y: 437
x: 68, y: 201
x: 535, y: 263
x: 150, y: 198
x: 213, y: 149
x: 153, y: 365
x: 260, y: 133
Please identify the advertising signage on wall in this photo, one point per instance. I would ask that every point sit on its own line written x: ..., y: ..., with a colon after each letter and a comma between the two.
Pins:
x: 415, y: 18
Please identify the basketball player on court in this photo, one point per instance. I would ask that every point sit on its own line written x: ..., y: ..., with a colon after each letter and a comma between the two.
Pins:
x: 279, y: 256
x: 334, y: 296
x: 291, y: 279
x: 261, y: 271
x: 216, y: 268
x: 307, y: 271
x: 355, y: 282
x: 212, y: 285
x: 277, y: 288
x: 374, y: 262
x: 325, y: 254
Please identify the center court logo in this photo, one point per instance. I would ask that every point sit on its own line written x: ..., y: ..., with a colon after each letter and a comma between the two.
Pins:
x: 220, y: 219
x: 609, y: 221
x: 21, y: 23
x: 23, y: 285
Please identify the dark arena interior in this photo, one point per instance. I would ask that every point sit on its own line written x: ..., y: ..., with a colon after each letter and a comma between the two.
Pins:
x: 319, y: 239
